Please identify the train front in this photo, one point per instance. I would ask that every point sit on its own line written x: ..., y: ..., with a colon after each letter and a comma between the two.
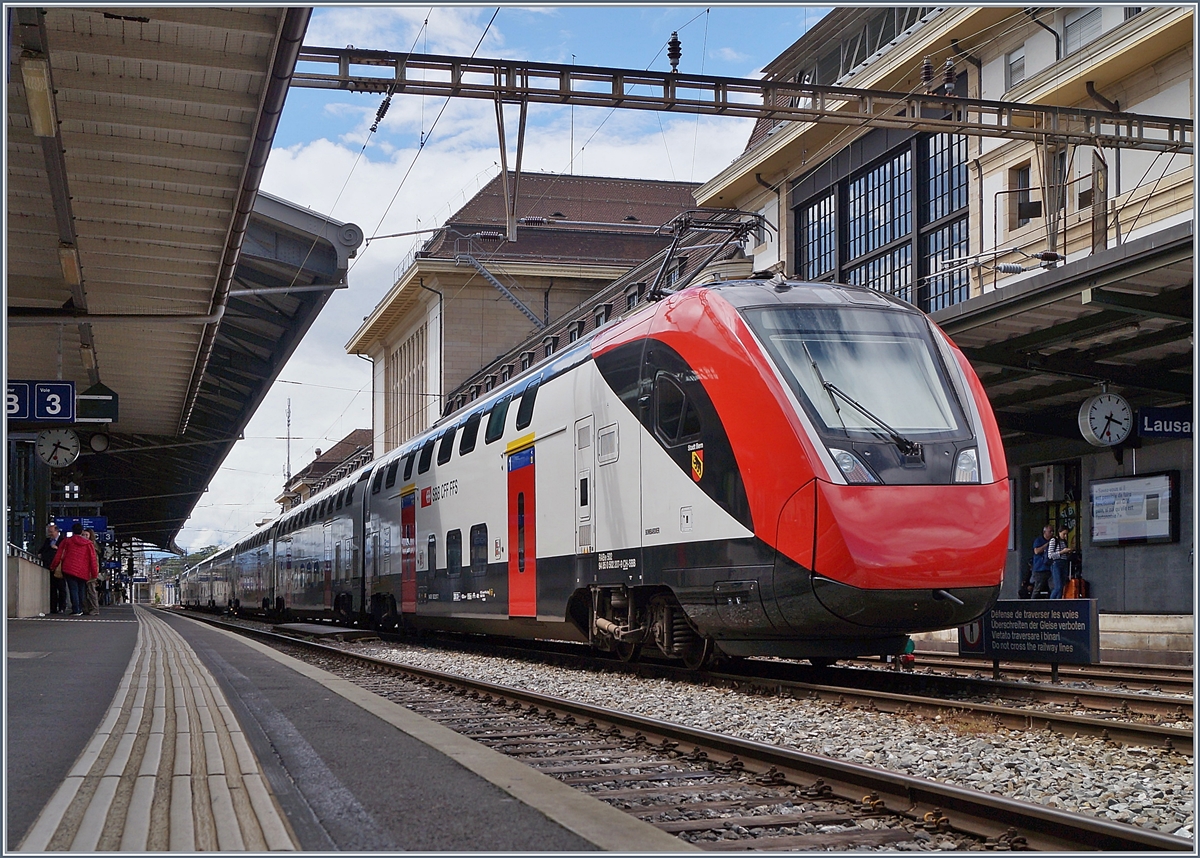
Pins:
x: 904, y: 525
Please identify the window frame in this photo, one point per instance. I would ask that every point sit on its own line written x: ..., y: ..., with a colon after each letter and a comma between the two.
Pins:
x: 495, y: 430
x: 426, y: 460
x: 446, y: 445
x: 470, y: 433
x: 528, y: 400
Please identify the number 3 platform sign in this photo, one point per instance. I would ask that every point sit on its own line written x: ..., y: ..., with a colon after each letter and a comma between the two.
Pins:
x: 41, y: 401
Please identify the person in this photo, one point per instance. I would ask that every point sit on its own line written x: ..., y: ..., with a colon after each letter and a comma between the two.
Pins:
x: 1058, y: 552
x: 1041, y: 564
x: 58, y: 584
x: 79, y: 565
x: 91, y: 598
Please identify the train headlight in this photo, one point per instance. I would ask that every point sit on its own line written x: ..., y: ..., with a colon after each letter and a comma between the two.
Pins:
x: 852, y: 469
x: 966, y: 466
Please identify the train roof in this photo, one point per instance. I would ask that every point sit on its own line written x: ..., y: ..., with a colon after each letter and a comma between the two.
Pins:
x: 778, y: 290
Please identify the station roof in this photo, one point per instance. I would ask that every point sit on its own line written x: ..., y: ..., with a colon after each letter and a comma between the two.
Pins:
x: 1123, y: 316
x: 138, y: 246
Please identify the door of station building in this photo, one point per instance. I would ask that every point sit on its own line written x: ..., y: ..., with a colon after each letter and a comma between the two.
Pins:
x: 522, y: 542
x: 408, y: 553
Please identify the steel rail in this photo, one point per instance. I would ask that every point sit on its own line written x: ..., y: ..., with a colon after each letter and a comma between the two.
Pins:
x: 598, y: 86
x: 965, y: 810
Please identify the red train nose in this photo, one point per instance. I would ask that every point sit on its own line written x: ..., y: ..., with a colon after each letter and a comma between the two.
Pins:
x: 911, y: 537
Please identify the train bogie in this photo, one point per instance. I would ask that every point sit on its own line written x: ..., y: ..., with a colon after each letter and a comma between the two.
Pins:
x: 760, y: 467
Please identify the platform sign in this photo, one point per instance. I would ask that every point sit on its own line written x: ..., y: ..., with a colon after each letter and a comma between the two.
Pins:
x: 98, y: 523
x: 17, y: 402
x: 1049, y: 631
x: 54, y: 401
x: 112, y: 564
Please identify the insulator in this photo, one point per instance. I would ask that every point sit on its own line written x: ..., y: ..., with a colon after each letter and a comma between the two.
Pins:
x: 1010, y: 268
x: 674, y: 51
x: 949, y: 77
x: 382, y: 112
x: 927, y: 73
x: 492, y: 234
x: 1049, y: 256
x: 533, y: 221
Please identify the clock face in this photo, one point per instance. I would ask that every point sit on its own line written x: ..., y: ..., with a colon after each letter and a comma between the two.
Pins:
x: 57, y: 447
x: 1105, y: 420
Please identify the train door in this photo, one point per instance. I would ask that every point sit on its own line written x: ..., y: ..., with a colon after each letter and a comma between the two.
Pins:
x: 583, y: 485
x: 408, y: 553
x: 522, y: 542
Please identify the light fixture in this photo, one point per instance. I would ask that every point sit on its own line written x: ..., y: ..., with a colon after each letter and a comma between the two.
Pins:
x: 68, y: 259
x: 35, y: 70
x: 88, y: 356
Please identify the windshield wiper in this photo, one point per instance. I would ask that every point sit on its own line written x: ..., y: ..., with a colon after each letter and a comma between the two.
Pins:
x: 825, y: 384
x: 907, y: 447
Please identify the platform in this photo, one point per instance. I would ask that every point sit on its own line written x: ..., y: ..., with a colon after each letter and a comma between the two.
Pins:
x: 141, y: 730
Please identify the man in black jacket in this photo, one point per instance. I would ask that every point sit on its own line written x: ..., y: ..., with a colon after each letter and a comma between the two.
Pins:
x: 58, y: 586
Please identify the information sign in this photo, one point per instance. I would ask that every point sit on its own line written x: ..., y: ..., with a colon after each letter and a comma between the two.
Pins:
x: 1136, y: 509
x: 1052, y: 631
x: 17, y: 402
x: 54, y: 400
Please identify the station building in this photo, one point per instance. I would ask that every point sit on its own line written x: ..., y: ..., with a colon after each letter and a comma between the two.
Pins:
x: 468, y: 294
x: 1064, y: 271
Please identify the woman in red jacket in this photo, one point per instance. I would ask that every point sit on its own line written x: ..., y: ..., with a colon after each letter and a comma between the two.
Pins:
x: 79, y: 565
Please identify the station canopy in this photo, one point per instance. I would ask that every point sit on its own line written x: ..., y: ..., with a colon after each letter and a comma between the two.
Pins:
x: 140, y: 254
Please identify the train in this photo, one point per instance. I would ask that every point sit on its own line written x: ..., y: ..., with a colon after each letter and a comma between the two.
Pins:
x: 758, y: 467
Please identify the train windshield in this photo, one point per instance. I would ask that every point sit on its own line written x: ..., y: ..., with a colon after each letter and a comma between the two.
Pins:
x: 849, y: 365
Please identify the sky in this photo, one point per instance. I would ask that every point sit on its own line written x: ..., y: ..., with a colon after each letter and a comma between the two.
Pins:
x: 429, y: 156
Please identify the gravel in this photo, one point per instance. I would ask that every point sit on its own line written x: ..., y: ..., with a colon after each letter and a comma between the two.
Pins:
x: 1149, y: 787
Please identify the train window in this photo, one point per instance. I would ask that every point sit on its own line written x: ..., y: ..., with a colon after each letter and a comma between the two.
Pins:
x: 525, y: 411
x: 426, y: 456
x: 377, y: 483
x: 408, y: 463
x: 349, y: 495
x: 470, y: 431
x: 454, y: 553
x: 520, y: 531
x: 495, y: 427
x: 446, y: 448
x: 432, y: 553
x: 391, y: 474
x: 338, y: 502
x: 676, y: 418
x: 479, y: 549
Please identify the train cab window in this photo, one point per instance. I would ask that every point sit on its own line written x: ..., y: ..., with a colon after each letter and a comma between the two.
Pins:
x: 479, y: 549
x: 525, y: 411
x: 408, y: 463
x: 469, y: 433
x: 454, y: 553
x: 446, y: 448
x: 391, y: 474
x: 676, y: 419
x: 495, y: 427
x: 426, y: 456
x: 377, y: 483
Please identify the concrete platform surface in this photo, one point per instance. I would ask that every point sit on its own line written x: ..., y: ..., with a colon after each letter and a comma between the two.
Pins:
x: 142, y: 730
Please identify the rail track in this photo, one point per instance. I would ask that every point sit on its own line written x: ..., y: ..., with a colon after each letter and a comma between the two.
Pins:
x: 1155, y: 678
x: 716, y: 792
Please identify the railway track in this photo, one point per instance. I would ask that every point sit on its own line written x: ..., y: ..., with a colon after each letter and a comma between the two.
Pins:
x: 1146, y: 677
x: 716, y: 792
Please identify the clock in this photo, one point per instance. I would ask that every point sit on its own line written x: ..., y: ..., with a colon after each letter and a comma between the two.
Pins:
x: 57, y: 447
x: 1105, y: 420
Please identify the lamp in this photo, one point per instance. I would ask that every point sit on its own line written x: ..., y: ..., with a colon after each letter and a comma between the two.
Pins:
x: 35, y: 70
x: 88, y: 356
x: 68, y: 259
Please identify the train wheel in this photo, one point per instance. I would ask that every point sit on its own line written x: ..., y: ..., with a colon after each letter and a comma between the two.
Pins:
x: 628, y: 652
x: 698, y: 655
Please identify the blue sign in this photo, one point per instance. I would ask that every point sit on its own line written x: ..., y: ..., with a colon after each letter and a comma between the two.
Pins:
x: 16, y: 401
x: 98, y: 523
x: 54, y: 400
x: 1051, y: 631
x: 112, y: 564
x: 1165, y: 422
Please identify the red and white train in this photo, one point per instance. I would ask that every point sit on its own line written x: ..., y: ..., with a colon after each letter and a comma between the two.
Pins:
x: 756, y: 467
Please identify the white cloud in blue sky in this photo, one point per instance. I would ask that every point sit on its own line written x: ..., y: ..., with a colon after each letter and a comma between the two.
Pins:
x: 398, y: 184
